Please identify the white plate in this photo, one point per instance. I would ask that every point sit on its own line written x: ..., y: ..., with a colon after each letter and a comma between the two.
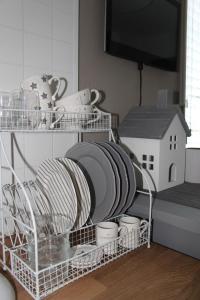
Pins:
x: 58, y: 187
x: 87, y: 256
x: 82, y: 191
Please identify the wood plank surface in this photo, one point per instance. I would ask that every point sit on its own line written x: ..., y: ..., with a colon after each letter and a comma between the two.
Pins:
x: 157, y: 273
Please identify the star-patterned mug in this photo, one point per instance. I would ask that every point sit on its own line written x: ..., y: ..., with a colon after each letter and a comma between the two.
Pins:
x: 41, y: 85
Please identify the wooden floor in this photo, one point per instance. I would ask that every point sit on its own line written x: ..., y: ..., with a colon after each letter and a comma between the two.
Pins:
x: 148, y: 274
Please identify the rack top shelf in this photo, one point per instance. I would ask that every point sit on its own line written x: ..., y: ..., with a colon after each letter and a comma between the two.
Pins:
x: 53, y: 121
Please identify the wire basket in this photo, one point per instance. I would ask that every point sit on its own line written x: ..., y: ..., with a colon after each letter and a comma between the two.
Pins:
x: 86, y: 257
x: 37, y: 120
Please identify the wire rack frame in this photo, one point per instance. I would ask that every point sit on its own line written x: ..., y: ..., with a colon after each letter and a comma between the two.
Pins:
x: 40, y: 283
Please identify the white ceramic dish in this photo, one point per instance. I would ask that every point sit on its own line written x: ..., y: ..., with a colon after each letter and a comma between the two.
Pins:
x: 59, y: 189
x: 87, y: 256
x: 82, y: 191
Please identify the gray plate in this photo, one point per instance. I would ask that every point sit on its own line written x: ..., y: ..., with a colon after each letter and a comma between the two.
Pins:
x: 119, y: 206
x: 100, y: 176
x: 117, y: 177
x: 131, y: 175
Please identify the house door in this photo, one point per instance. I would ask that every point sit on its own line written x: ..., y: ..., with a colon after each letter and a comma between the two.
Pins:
x: 172, y: 173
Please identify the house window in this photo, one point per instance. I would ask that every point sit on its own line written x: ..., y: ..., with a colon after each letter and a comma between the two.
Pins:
x: 172, y: 173
x: 173, y: 142
x: 192, y: 78
x: 148, y: 162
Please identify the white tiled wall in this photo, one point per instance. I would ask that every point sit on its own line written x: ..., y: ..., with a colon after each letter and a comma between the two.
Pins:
x: 38, y: 36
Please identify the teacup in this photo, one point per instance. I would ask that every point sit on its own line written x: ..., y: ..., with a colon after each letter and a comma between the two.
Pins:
x: 106, y: 235
x: 132, y: 229
x: 83, y: 97
x: 80, y: 115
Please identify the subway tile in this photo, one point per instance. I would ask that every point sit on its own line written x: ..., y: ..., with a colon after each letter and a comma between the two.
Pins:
x: 11, y: 49
x: 62, y: 142
x: 11, y: 13
x: 62, y: 56
x: 62, y: 26
x: 10, y: 76
x: 37, y: 18
x: 38, y: 147
x: 37, y: 51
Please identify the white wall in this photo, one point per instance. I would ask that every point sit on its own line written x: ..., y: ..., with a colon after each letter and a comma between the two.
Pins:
x: 38, y: 36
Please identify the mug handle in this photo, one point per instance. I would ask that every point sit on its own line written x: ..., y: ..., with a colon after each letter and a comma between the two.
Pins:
x: 56, y: 108
x: 97, y: 97
x: 143, y: 222
x: 123, y: 229
x: 57, y: 87
x: 97, y: 118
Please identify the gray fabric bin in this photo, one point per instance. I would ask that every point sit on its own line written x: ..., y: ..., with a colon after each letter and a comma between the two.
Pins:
x: 175, y: 225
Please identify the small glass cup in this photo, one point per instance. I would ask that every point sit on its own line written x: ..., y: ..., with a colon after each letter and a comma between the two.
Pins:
x: 53, y: 241
x: 26, y: 109
x: 5, y: 112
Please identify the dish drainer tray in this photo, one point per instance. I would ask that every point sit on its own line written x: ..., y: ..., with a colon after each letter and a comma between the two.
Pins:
x: 52, y: 278
x: 15, y: 217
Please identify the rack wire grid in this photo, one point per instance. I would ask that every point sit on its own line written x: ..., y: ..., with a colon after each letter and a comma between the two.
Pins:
x: 37, y: 120
x: 40, y: 281
x: 44, y: 282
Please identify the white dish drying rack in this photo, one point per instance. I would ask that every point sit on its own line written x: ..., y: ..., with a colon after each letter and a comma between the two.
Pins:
x: 19, y: 202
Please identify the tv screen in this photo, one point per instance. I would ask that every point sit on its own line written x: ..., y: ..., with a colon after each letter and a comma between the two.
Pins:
x: 145, y: 31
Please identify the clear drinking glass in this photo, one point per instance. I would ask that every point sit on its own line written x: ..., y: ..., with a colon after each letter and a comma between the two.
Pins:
x: 5, y: 113
x: 53, y: 241
x: 26, y: 109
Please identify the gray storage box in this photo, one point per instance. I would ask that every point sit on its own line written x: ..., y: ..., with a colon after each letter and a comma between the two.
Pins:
x: 176, y: 217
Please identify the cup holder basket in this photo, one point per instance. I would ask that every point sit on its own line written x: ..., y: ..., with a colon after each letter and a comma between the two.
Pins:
x: 85, y: 257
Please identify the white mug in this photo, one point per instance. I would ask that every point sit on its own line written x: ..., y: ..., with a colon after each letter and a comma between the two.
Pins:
x: 41, y: 85
x: 80, y: 98
x: 107, y: 233
x: 132, y: 229
x: 82, y: 115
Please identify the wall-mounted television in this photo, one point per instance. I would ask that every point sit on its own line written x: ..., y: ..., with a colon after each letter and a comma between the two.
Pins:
x: 144, y: 31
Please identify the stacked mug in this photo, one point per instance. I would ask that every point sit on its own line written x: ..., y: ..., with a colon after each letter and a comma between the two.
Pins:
x: 41, y: 85
x: 130, y: 230
x: 81, y: 104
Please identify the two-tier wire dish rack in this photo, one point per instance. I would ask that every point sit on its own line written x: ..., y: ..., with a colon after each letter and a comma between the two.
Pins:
x: 20, y: 202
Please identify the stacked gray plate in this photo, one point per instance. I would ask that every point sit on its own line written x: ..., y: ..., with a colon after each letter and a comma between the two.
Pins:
x: 110, y: 175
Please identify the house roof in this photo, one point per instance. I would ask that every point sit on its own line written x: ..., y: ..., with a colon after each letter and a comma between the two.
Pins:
x: 150, y: 122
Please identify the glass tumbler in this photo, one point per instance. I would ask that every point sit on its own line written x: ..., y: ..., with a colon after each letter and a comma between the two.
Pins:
x: 53, y: 241
x: 26, y: 109
x: 5, y: 112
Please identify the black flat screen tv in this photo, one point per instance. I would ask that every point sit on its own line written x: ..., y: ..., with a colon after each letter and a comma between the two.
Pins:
x: 144, y: 31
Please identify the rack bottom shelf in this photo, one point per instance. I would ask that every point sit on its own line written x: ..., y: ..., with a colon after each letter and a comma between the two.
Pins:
x: 44, y: 282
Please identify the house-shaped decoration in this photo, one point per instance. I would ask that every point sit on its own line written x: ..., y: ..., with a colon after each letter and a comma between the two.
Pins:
x: 157, y: 138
